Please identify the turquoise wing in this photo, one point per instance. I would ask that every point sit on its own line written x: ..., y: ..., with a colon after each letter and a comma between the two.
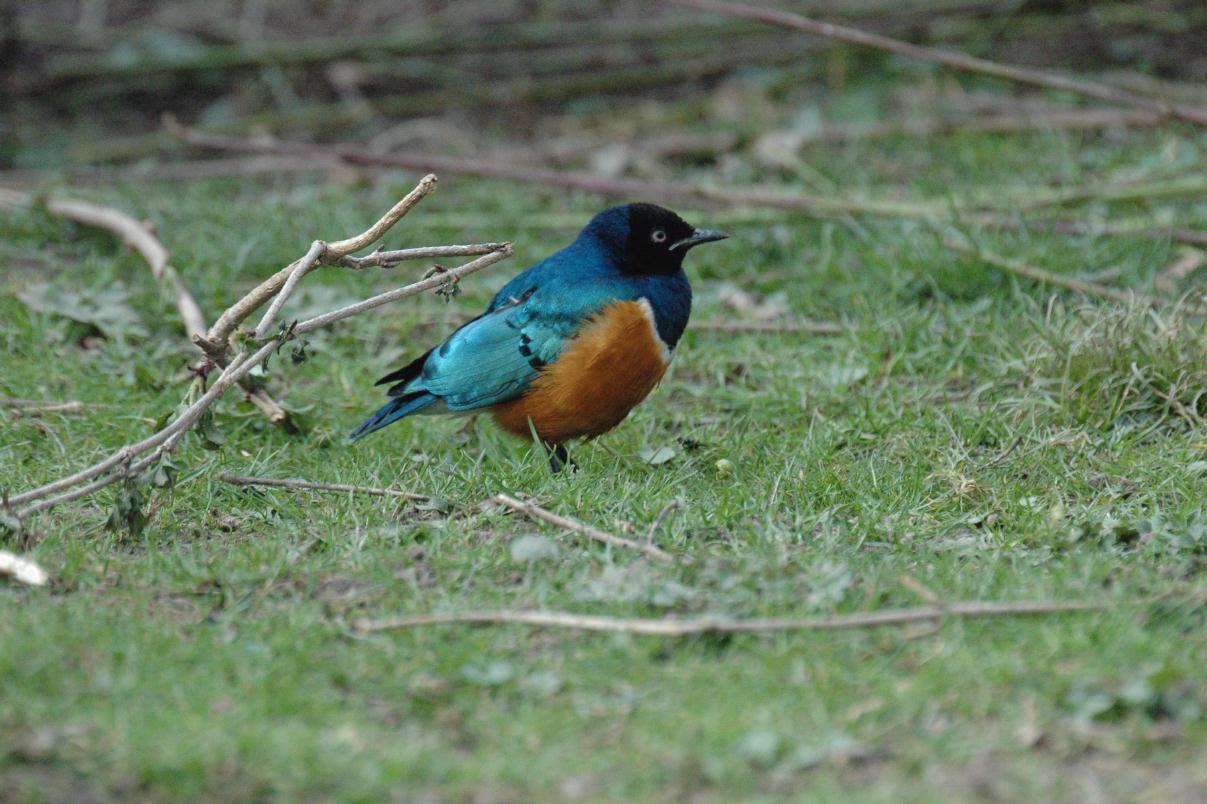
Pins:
x: 494, y: 358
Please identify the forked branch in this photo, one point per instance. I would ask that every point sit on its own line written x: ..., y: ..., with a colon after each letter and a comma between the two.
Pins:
x: 138, y: 236
x: 236, y: 367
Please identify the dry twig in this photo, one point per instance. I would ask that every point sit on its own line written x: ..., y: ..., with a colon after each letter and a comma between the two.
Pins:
x: 388, y: 259
x: 216, y: 342
x: 1040, y: 275
x: 821, y: 206
x: 536, y: 512
x: 960, y: 61
x: 297, y: 271
x: 234, y: 368
x: 721, y: 625
x: 139, y: 237
x: 1080, y: 228
x: 241, y: 480
x: 240, y: 366
x: 922, y: 590
x: 1187, y: 262
x: 666, y: 509
x: 32, y: 407
x: 999, y: 123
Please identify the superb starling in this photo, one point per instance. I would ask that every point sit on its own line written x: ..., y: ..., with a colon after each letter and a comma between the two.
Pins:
x: 567, y: 348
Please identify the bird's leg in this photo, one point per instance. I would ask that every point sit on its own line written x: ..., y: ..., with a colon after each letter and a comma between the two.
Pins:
x: 559, y: 458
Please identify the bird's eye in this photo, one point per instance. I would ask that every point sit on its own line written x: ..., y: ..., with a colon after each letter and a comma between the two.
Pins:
x: 658, y: 236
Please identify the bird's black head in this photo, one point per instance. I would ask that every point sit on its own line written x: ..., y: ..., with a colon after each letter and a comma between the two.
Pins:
x: 648, y: 239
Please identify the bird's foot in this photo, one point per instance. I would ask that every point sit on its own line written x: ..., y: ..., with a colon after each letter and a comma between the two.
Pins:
x: 559, y: 458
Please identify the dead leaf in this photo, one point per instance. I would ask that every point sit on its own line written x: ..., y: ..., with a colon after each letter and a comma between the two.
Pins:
x: 107, y: 309
x: 657, y: 457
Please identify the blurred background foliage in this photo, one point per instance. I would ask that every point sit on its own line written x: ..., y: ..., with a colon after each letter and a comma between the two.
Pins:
x: 613, y: 85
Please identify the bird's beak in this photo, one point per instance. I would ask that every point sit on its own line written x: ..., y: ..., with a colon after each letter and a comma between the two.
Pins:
x: 697, y: 237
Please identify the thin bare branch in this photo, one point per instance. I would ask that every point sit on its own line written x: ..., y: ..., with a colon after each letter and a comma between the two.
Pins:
x: 139, y: 237
x: 300, y: 269
x: 821, y: 206
x: 132, y: 232
x: 388, y: 259
x: 1080, y: 228
x: 1000, y: 123
x: 537, y: 512
x: 241, y: 480
x: 1188, y: 261
x: 959, y: 61
x: 121, y: 463
x: 720, y: 625
x: 666, y: 509
x: 132, y: 469
x: 1040, y: 275
x: 127, y: 453
x: 215, y: 343
x: 342, y: 248
x: 31, y: 407
x: 383, y: 258
x: 452, y: 275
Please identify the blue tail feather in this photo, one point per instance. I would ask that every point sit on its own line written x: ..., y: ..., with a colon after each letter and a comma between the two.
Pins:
x: 391, y: 412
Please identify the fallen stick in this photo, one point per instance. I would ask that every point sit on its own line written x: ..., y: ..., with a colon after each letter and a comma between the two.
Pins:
x: 240, y: 366
x: 719, y: 625
x: 820, y: 206
x: 32, y: 407
x: 1192, y: 187
x: 242, y: 480
x: 1134, y: 229
x: 1043, y: 276
x: 126, y: 454
x: 215, y: 343
x: 297, y: 271
x: 388, y: 259
x: 138, y: 237
x: 122, y: 463
x: 666, y: 509
x: 1188, y: 261
x: 536, y: 512
x: 178, y: 171
x: 998, y: 123
x: 948, y: 58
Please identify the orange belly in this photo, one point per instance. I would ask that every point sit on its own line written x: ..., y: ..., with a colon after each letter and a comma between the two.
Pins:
x: 601, y: 375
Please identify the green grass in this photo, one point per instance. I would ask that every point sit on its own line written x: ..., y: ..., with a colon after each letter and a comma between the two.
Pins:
x: 968, y: 430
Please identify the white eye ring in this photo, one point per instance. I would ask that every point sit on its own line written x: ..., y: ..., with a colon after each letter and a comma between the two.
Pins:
x: 658, y: 236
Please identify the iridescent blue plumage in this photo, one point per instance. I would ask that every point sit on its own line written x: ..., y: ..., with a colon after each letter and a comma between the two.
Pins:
x: 495, y: 357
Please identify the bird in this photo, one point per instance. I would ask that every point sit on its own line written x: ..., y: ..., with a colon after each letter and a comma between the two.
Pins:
x: 568, y: 347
